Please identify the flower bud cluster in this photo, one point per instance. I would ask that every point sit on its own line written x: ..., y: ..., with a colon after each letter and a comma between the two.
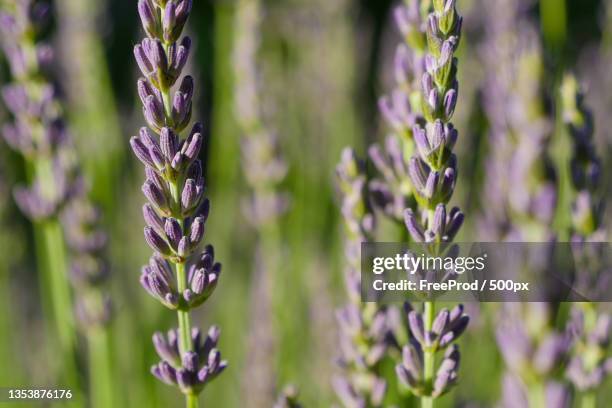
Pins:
x: 585, y: 166
x: 520, y: 127
x: 89, y: 270
x: 39, y: 134
x: 433, y: 169
x: 392, y: 191
x: 446, y: 329
x: 590, y: 363
x: 192, y: 370
x: 262, y: 163
x: 365, y: 329
x: 533, y: 350
x: 37, y: 131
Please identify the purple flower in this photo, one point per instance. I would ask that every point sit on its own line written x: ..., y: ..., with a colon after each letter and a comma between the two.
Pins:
x: 177, y: 209
x: 360, y: 323
x: 37, y: 131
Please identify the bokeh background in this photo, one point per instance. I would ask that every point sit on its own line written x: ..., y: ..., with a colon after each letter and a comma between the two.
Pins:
x: 322, y: 65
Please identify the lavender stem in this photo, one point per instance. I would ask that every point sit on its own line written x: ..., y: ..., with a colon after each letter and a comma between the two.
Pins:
x: 100, y: 370
x: 429, y: 356
x: 589, y: 400
x: 183, y: 315
x: 181, y: 277
x: 55, y: 253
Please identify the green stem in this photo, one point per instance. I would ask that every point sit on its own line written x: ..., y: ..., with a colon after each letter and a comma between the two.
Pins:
x: 536, y: 395
x: 100, y: 370
x: 192, y: 401
x: 183, y: 315
x: 184, y: 319
x: 55, y: 267
x: 55, y: 253
x: 428, y: 356
x: 589, y: 400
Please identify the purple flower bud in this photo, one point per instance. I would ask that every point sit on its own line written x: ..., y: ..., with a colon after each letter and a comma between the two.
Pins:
x: 169, y: 142
x: 153, y: 175
x: 141, y: 151
x: 413, y: 227
x: 185, y: 379
x: 146, y: 138
x: 183, y: 247
x: 439, y: 220
x: 165, y: 350
x: 450, y: 100
x: 431, y: 184
x: 143, y: 62
x: 168, y: 22
x: 417, y: 329
x: 192, y: 145
x: 157, y: 157
x: 189, y: 197
x: 148, y: 17
x: 155, y: 196
x: 406, y: 376
x: 154, y: 113
x: 156, y: 242
x: 190, y: 361
x: 178, y: 55
x: 440, y: 322
x: 152, y: 218
x: 558, y: 395
x: 197, y: 231
x: 173, y: 231
x: 417, y: 174
x: 182, y: 12
x: 164, y: 372
x: 412, y: 359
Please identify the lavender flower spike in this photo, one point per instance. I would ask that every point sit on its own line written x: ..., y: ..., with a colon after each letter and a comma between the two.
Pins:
x: 264, y: 170
x: 174, y: 186
x: 39, y: 134
x: 392, y: 192
x: 432, y: 171
x: 446, y: 328
x: 590, y: 363
x: 360, y: 323
x: 57, y: 197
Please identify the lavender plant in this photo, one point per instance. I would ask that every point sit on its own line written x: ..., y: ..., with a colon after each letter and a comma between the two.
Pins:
x: 392, y: 192
x: 534, y: 347
x: 176, y: 211
x: 90, y: 99
x: 364, y: 327
x: 590, y: 361
x: 535, y: 354
x: 57, y: 192
x: 263, y: 166
x: 89, y: 273
x: 38, y: 133
x: 585, y: 166
x: 264, y: 171
x: 432, y: 172
x: 519, y: 131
